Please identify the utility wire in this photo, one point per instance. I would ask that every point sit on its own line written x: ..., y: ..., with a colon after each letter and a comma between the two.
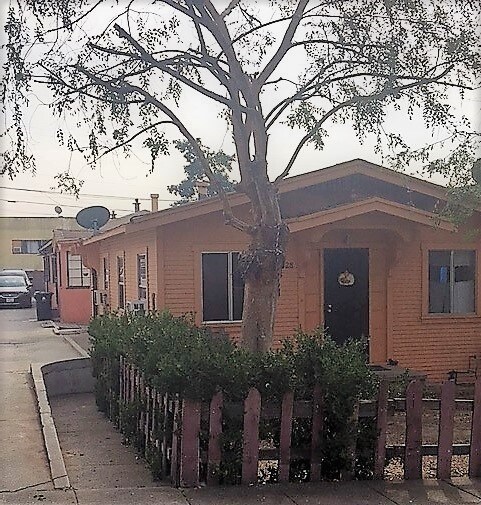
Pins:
x: 83, y: 194
x: 51, y: 205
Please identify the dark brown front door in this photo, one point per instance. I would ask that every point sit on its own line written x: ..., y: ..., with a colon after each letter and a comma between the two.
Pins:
x: 346, y: 293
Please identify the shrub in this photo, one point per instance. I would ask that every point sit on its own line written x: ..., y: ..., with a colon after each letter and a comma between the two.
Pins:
x: 178, y: 357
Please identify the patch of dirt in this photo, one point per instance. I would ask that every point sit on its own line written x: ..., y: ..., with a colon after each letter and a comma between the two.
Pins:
x: 462, y: 433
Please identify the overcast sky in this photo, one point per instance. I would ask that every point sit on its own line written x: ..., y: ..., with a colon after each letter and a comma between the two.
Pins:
x: 118, y: 181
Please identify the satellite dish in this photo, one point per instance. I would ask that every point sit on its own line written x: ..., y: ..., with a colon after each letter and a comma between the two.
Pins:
x: 58, y: 209
x: 93, y: 218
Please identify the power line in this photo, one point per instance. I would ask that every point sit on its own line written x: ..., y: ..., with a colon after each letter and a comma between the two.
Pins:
x: 51, y: 204
x: 82, y: 194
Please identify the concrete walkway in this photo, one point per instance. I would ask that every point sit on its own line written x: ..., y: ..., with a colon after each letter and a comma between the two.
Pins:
x: 23, y: 340
x: 103, y: 471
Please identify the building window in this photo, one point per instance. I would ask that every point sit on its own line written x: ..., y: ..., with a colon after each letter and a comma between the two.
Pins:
x: 452, y: 282
x: 121, y: 280
x: 27, y: 246
x: 46, y: 269
x: 142, y: 276
x: 53, y: 262
x: 78, y: 275
x: 222, y: 287
x: 105, y: 272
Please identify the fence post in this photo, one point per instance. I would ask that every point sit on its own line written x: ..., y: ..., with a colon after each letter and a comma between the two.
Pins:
x: 164, y: 406
x: 189, y: 452
x: 250, y: 446
x: 214, y: 455
x: 285, y: 438
x: 121, y: 390
x: 316, y: 435
x: 348, y: 473
x: 381, y: 430
x: 176, y: 436
x: 446, y: 429
x: 475, y: 451
x: 414, y: 409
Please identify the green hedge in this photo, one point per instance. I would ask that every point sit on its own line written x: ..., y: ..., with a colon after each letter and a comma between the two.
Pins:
x: 178, y: 357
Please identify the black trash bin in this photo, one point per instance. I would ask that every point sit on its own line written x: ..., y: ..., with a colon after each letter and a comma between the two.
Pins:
x: 43, y: 301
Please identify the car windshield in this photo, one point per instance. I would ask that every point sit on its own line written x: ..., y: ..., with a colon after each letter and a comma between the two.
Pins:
x: 12, y: 281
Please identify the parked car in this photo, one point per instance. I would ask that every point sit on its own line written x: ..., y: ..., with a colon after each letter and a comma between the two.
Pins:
x: 20, y: 273
x: 14, y: 292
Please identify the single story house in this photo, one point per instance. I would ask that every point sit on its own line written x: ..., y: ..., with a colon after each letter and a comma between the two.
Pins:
x: 67, y: 277
x: 368, y: 256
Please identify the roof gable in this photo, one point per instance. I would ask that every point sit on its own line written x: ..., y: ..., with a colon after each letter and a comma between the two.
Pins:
x: 398, y: 187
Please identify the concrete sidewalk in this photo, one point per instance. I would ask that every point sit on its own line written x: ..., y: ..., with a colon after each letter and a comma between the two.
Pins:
x: 354, y: 493
x: 23, y: 340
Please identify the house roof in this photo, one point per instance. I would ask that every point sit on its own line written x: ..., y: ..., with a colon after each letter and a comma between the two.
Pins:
x: 379, y: 205
x: 338, y: 171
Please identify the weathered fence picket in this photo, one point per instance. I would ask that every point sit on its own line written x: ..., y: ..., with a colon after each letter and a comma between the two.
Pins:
x: 167, y: 429
x: 189, y: 452
x: 381, y: 430
x: 250, y: 447
x: 287, y: 409
x: 214, y: 454
x: 446, y: 430
x: 414, y: 431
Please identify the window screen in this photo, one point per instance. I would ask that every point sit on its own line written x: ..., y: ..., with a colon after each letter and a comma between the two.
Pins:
x: 452, y: 282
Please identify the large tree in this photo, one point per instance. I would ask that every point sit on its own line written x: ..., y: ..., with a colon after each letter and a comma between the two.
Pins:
x: 120, y: 69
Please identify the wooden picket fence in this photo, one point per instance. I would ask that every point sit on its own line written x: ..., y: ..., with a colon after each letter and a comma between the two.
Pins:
x: 167, y: 429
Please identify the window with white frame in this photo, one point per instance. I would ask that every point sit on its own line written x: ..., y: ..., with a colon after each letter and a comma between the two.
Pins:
x: 452, y: 276
x: 78, y: 275
x: 121, y: 281
x: 222, y: 287
x: 142, y: 276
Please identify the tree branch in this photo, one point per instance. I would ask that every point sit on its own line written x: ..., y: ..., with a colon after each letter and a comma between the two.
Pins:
x: 148, y: 58
x: 127, y: 141
x: 285, y: 44
x: 354, y: 101
x: 229, y: 8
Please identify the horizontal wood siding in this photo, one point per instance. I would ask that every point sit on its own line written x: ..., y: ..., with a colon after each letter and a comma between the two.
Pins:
x: 429, y: 343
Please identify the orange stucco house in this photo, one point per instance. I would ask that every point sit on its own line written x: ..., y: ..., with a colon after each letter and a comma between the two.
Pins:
x: 368, y: 255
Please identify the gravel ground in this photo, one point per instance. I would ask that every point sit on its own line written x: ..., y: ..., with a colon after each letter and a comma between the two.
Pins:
x: 462, y: 432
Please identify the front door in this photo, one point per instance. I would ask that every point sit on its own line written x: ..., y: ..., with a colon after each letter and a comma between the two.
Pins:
x: 346, y: 293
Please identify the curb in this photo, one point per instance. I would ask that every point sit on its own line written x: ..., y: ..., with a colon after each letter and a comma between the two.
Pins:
x: 56, y: 462
x: 77, y: 347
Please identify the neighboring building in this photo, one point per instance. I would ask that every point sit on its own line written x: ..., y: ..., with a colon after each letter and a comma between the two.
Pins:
x: 368, y: 255
x: 66, y: 276
x: 21, y: 239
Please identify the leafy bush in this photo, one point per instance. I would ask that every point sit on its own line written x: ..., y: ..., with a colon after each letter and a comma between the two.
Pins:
x: 178, y: 357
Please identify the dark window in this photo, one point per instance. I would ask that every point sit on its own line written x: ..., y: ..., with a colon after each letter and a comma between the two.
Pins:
x: 78, y: 275
x: 142, y: 276
x: 27, y: 246
x: 53, y: 260
x: 46, y: 269
x: 106, y: 274
x: 222, y: 287
x: 121, y: 281
x: 452, y: 282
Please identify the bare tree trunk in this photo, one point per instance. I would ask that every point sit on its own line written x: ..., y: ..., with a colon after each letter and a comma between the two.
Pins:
x: 263, y: 263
